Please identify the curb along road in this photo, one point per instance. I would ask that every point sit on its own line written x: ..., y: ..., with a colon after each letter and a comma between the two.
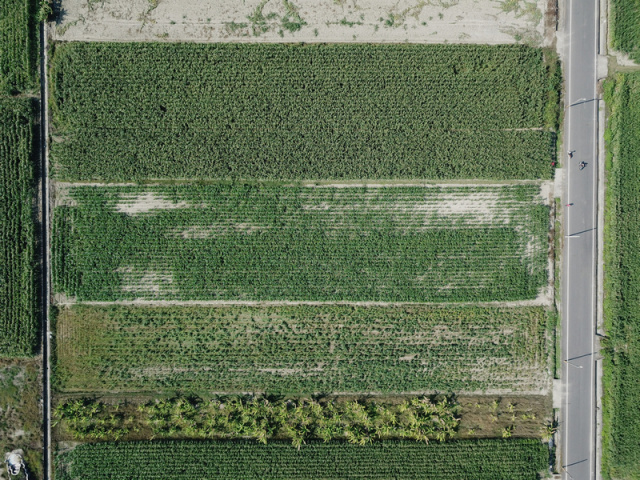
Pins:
x: 45, y: 260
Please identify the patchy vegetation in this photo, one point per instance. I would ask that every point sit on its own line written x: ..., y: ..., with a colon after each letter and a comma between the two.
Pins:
x: 301, y: 349
x: 261, y: 242
x: 232, y: 417
x: 20, y: 412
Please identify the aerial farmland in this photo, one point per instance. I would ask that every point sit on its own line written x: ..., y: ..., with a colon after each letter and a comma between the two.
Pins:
x: 286, y: 235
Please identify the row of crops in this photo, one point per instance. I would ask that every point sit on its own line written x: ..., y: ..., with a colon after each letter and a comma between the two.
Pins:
x: 261, y: 242
x: 622, y: 259
x: 477, y: 460
x: 18, y: 293
x: 143, y: 111
x: 18, y: 45
x: 301, y: 349
x: 625, y: 27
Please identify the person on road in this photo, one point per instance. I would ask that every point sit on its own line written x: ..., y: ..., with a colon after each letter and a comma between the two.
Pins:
x: 570, y: 153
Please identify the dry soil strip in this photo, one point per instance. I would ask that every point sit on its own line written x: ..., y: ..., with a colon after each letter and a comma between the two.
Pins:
x: 543, y: 299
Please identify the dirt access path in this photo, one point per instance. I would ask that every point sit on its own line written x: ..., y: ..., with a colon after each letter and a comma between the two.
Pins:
x: 309, y: 21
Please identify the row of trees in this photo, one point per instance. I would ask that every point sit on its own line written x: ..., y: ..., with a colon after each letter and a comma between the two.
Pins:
x: 234, y: 417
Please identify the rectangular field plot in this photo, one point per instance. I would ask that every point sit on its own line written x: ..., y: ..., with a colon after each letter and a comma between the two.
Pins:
x: 18, y: 312
x: 18, y: 45
x: 465, y: 460
x: 230, y: 111
x: 622, y: 262
x: 302, y: 349
x: 259, y: 243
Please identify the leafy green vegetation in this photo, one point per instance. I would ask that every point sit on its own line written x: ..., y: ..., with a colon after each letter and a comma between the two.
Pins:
x: 622, y: 286
x: 299, y: 420
x: 18, y: 305
x: 463, y: 460
x: 269, y: 111
x: 154, y: 416
x: 301, y: 349
x: 625, y: 27
x: 261, y: 242
x: 18, y: 45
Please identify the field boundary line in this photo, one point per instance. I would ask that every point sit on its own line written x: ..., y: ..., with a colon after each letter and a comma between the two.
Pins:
x: 45, y: 254
x: 538, y: 302
x: 80, y: 394
x: 377, y: 183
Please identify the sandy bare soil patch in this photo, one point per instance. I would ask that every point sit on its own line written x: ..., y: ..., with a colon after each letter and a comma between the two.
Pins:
x: 377, y: 21
x: 135, y: 204
x: 148, y: 282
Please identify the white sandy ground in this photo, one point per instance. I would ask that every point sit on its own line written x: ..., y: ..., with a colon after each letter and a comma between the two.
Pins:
x: 361, y: 21
x: 145, y: 202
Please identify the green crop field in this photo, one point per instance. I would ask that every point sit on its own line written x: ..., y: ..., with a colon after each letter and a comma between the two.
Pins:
x: 625, y: 27
x: 18, y: 45
x: 622, y: 283
x: 464, y: 460
x: 259, y: 242
x: 301, y: 349
x: 18, y: 312
x: 268, y: 111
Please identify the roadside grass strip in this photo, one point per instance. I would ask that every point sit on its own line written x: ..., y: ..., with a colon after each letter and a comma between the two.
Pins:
x: 289, y: 243
x: 621, y: 412
x: 134, y: 111
x: 463, y: 460
x: 302, y: 349
x: 18, y: 293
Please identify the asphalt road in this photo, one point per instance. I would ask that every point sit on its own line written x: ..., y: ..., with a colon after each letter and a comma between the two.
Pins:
x: 578, y: 420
